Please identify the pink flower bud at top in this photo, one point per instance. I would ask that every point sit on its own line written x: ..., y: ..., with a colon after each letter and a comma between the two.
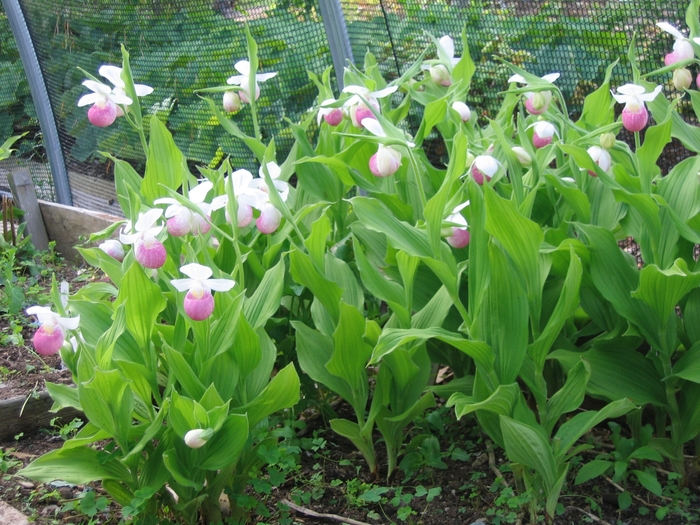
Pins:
x: 682, y: 79
x: 113, y: 248
x: 523, y: 156
x: 484, y: 167
x: 543, y: 134
x: 537, y: 103
x: 199, y: 304
x: 601, y: 157
x: 607, y: 140
x: 232, y: 102
x: 440, y: 75
x: 103, y: 115
x: 150, y: 253
x: 464, y: 112
x: 385, y: 162
x: 197, y: 438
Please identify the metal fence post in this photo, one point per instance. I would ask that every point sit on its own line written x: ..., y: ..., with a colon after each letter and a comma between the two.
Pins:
x: 40, y: 95
x: 337, y: 34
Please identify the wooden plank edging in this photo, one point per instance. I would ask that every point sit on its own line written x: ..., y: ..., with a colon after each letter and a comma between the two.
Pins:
x: 35, y: 415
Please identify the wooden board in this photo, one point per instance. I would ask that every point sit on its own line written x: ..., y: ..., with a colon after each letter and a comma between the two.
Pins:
x: 34, y: 416
x: 66, y: 225
x: 24, y: 196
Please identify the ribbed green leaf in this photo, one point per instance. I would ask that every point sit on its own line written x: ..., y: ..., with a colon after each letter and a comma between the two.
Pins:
x: 526, y: 445
x: 364, y: 444
x: 183, y: 372
x: 325, y: 290
x: 108, y: 403
x: 265, y: 301
x: 224, y: 448
x: 688, y: 366
x: 282, y: 392
x: 144, y: 302
x: 339, y: 271
x: 316, y: 241
x: 165, y: 164
x: 500, y: 402
x: 592, y: 469
x: 569, y: 397
x: 575, y: 197
x: 77, y: 465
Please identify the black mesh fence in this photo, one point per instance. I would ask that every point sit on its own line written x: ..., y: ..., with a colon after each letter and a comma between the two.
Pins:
x: 178, y: 46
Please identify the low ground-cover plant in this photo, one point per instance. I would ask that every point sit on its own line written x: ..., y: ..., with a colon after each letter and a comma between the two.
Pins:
x: 503, y: 264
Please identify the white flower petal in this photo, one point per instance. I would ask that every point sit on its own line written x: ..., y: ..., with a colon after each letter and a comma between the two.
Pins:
x: 517, y: 78
x: 648, y: 97
x: 69, y: 323
x: 219, y: 202
x: 148, y: 219
x: 220, y: 285
x: 551, y: 77
x: 197, y: 271
x: 236, y: 80
x: 182, y: 285
x: 384, y: 92
x: 199, y: 192
x: 243, y: 67
x: 120, y: 99
x: 262, y: 77
x: 142, y: 90
x: 670, y: 29
x: 240, y: 179
x: 447, y: 45
x: 97, y: 87
x: 631, y: 89
x: 113, y: 74
x: 357, y: 90
x: 92, y: 98
x: 374, y: 127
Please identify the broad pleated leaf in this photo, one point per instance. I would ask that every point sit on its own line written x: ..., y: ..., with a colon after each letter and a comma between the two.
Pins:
x: 144, y: 302
x: 265, y: 301
x: 526, y: 445
x: 165, y: 164
x: 224, y: 448
x: 78, y: 465
x: 500, y: 402
x: 325, y: 290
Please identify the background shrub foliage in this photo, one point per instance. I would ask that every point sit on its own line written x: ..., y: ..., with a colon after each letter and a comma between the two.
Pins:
x: 541, y: 308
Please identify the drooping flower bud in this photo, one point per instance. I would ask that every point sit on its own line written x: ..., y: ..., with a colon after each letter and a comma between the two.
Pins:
x: 385, y: 162
x: 601, y: 157
x: 113, y: 248
x: 607, y: 140
x: 270, y: 218
x: 682, y: 79
x: 464, y: 112
x: 440, y: 75
x: 523, y: 156
x: 538, y: 102
x: 198, y: 437
x: 543, y: 134
x: 232, y: 102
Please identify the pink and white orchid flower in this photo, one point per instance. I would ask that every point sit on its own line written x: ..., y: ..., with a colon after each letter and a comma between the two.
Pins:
x: 483, y: 168
x: 104, y: 103
x: 332, y: 116
x: 635, y: 114
x: 181, y: 219
x: 148, y: 250
x: 51, y: 335
x: 243, y: 80
x: 199, y: 302
x: 458, y: 234
x: 114, y: 75
x: 543, y: 134
x: 387, y: 160
x: 682, y: 48
x: 537, y: 102
x: 270, y: 216
x: 247, y: 197
x: 358, y: 108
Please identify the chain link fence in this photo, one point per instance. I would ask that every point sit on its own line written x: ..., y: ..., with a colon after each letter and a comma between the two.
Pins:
x: 179, y: 46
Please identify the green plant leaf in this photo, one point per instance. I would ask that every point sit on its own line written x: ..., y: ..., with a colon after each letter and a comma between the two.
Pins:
x: 526, y: 445
x: 144, y: 302
x: 165, y: 164
x: 77, y: 465
x: 225, y: 447
x: 592, y: 469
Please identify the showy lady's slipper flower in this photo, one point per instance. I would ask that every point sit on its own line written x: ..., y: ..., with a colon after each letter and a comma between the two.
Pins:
x: 148, y: 250
x: 682, y: 48
x: 199, y: 302
x: 243, y: 80
x: 113, y: 248
x: 232, y: 102
x: 182, y: 220
x: 270, y: 217
x: 601, y: 157
x: 387, y: 160
x: 104, y: 103
x: 332, y: 116
x: 464, y: 112
x: 543, y: 134
x: 634, y: 114
x: 459, y: 234
x: 51, y: 335
x: 357, y: 108
x: 114, y: 75
x: 537, y: 102
x: 483, y: 167
x: 198, y: 437
x: 246, y: 197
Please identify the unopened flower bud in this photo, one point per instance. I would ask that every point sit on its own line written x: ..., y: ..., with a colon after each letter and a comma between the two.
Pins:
x: 543, y: 134
x: 607, y: 141
x: 385, y: 162
x: 537, y: 103
x: 198, y: 437
x: 440, y: 75
x: 232, y: 102
x: 484, y: 167
x: 464, y: 112
x: 523, y: 156
x: 682, y: 79
x: 113, y: 248
x: 601, y: 157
